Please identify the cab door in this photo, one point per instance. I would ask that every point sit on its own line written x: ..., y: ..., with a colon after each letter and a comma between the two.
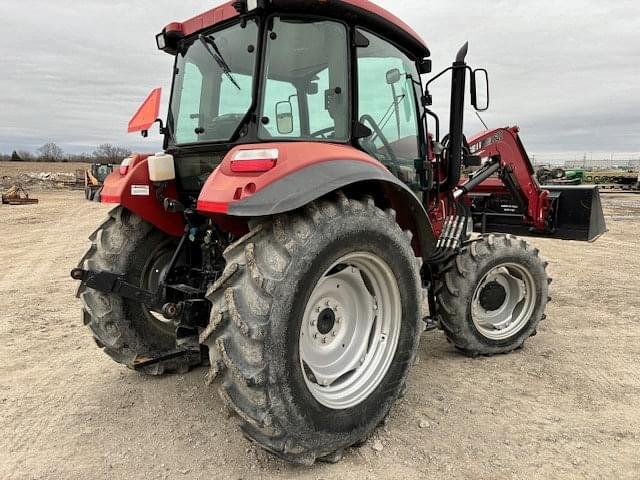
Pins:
x: 387, y: 105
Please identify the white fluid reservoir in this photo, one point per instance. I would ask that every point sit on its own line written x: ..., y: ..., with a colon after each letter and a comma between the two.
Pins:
x: 161, y: 168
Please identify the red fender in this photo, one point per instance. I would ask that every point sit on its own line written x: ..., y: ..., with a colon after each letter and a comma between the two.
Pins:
x: 135, y: 192
x: 225, y: 188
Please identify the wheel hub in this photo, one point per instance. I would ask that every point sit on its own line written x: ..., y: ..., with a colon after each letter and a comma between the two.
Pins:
x: 326, y: 321
x: 492, y: 296
x: 350, y: 330
x: 503, y: 301
x: 154, y: 271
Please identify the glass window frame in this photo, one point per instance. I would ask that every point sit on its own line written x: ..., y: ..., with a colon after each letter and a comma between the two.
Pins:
x: 170, y: 141
x: 418, y: 89
x: 251, y: 134
x: 260, y: 98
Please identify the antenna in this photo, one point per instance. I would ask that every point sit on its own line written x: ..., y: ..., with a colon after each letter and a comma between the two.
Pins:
x: 485, y: 125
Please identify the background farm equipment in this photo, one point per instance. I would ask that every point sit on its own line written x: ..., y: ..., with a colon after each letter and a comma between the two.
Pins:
x: 624, y: 178
x: 560, y: 176
x: 94, y: 178
x: 17, y: 195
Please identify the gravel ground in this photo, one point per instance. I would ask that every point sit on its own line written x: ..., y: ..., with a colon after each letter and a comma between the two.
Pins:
x: 567, y: 406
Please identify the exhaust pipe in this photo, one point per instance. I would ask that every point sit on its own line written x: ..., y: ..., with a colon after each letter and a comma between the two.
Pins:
x: 456, y: 123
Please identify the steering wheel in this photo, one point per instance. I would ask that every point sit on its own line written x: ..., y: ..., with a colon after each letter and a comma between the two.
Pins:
x: 388, y: 151
x: 324, y: 132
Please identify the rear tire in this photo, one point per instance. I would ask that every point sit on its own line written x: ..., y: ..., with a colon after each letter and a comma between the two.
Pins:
x: 124, y: 329
x: 258, y: 322
x: 492, y: 296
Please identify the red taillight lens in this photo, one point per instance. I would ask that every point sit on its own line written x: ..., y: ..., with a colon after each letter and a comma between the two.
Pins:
x: 124, y: 166
x: 254, y: 161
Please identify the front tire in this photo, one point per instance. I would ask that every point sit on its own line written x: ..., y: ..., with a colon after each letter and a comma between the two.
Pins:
x: 266, y: 302
x: 492, y: 296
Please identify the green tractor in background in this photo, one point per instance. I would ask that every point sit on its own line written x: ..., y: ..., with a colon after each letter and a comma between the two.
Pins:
x: 560, y: 176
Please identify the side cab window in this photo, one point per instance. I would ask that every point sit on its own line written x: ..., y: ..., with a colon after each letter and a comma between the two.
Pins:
x: 387, y: 105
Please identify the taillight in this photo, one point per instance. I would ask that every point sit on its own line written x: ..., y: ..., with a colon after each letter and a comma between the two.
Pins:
x: 124, y: 166
x: 254, y: 161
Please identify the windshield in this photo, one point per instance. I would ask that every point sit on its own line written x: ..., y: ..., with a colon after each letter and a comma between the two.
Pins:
x: 213, y: 86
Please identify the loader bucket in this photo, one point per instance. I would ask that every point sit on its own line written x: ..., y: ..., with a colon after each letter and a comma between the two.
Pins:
x: 578, y: 213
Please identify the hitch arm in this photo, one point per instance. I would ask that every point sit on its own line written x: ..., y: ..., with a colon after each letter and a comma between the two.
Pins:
x: 108, y: 282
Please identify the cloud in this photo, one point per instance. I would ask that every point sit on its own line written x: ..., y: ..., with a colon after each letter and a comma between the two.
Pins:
x: 566, y: 72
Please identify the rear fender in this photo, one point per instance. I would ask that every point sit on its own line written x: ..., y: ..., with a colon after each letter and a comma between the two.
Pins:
x: 135, y: 192
x: 306, y: 172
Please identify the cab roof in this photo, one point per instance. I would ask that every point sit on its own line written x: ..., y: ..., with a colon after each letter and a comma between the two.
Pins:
x: 362, y: 12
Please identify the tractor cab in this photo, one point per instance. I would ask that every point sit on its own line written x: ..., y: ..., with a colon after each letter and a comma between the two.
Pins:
x: 282, y: 72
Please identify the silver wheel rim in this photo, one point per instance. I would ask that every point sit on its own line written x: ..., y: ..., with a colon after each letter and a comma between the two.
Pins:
x: 350, y: 330
x: 153, y: 272
x: 504, y: 301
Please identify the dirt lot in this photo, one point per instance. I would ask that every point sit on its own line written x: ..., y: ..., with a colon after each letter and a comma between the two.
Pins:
x: 567, y: 406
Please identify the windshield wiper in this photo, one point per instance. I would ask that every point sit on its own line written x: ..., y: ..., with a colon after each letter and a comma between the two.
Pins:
x: 217, y: 56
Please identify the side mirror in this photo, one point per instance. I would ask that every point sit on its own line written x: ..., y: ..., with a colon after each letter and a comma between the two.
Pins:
x: 147, y: 114
x: 284, y: 117
x: 425, y: 66
x: 480, y: 90
x: 393, y: 76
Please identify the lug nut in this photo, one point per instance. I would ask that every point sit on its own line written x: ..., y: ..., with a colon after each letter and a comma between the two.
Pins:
x: 334, y: 333
x: 315, y: 335
x: 313, y: 323
x: 324, y: 339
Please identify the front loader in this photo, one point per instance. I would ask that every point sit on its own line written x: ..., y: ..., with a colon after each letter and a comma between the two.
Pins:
x: 303, y: 211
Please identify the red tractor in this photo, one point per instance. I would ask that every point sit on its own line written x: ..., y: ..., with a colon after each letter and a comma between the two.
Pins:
x: 304, y: 214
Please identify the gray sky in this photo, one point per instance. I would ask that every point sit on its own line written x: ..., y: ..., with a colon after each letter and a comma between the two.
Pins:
x: 567, y: 72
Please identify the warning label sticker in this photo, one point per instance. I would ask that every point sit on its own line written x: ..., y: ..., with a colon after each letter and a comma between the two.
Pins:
x: 140, y: 190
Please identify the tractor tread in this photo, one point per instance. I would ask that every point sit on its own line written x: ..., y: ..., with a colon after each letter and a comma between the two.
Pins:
x: 240, y: 323
x: 454, y: 291
x: 104, y: 314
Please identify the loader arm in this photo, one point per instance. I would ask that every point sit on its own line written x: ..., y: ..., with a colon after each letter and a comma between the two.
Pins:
x: 514, y: 202
x: 516, y: 174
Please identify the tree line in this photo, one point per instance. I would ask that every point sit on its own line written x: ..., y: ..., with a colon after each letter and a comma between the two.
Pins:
x: 51, y: 152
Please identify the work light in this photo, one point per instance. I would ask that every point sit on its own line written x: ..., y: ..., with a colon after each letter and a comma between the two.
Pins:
x: 247, y: 6
x: 161, y: 41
